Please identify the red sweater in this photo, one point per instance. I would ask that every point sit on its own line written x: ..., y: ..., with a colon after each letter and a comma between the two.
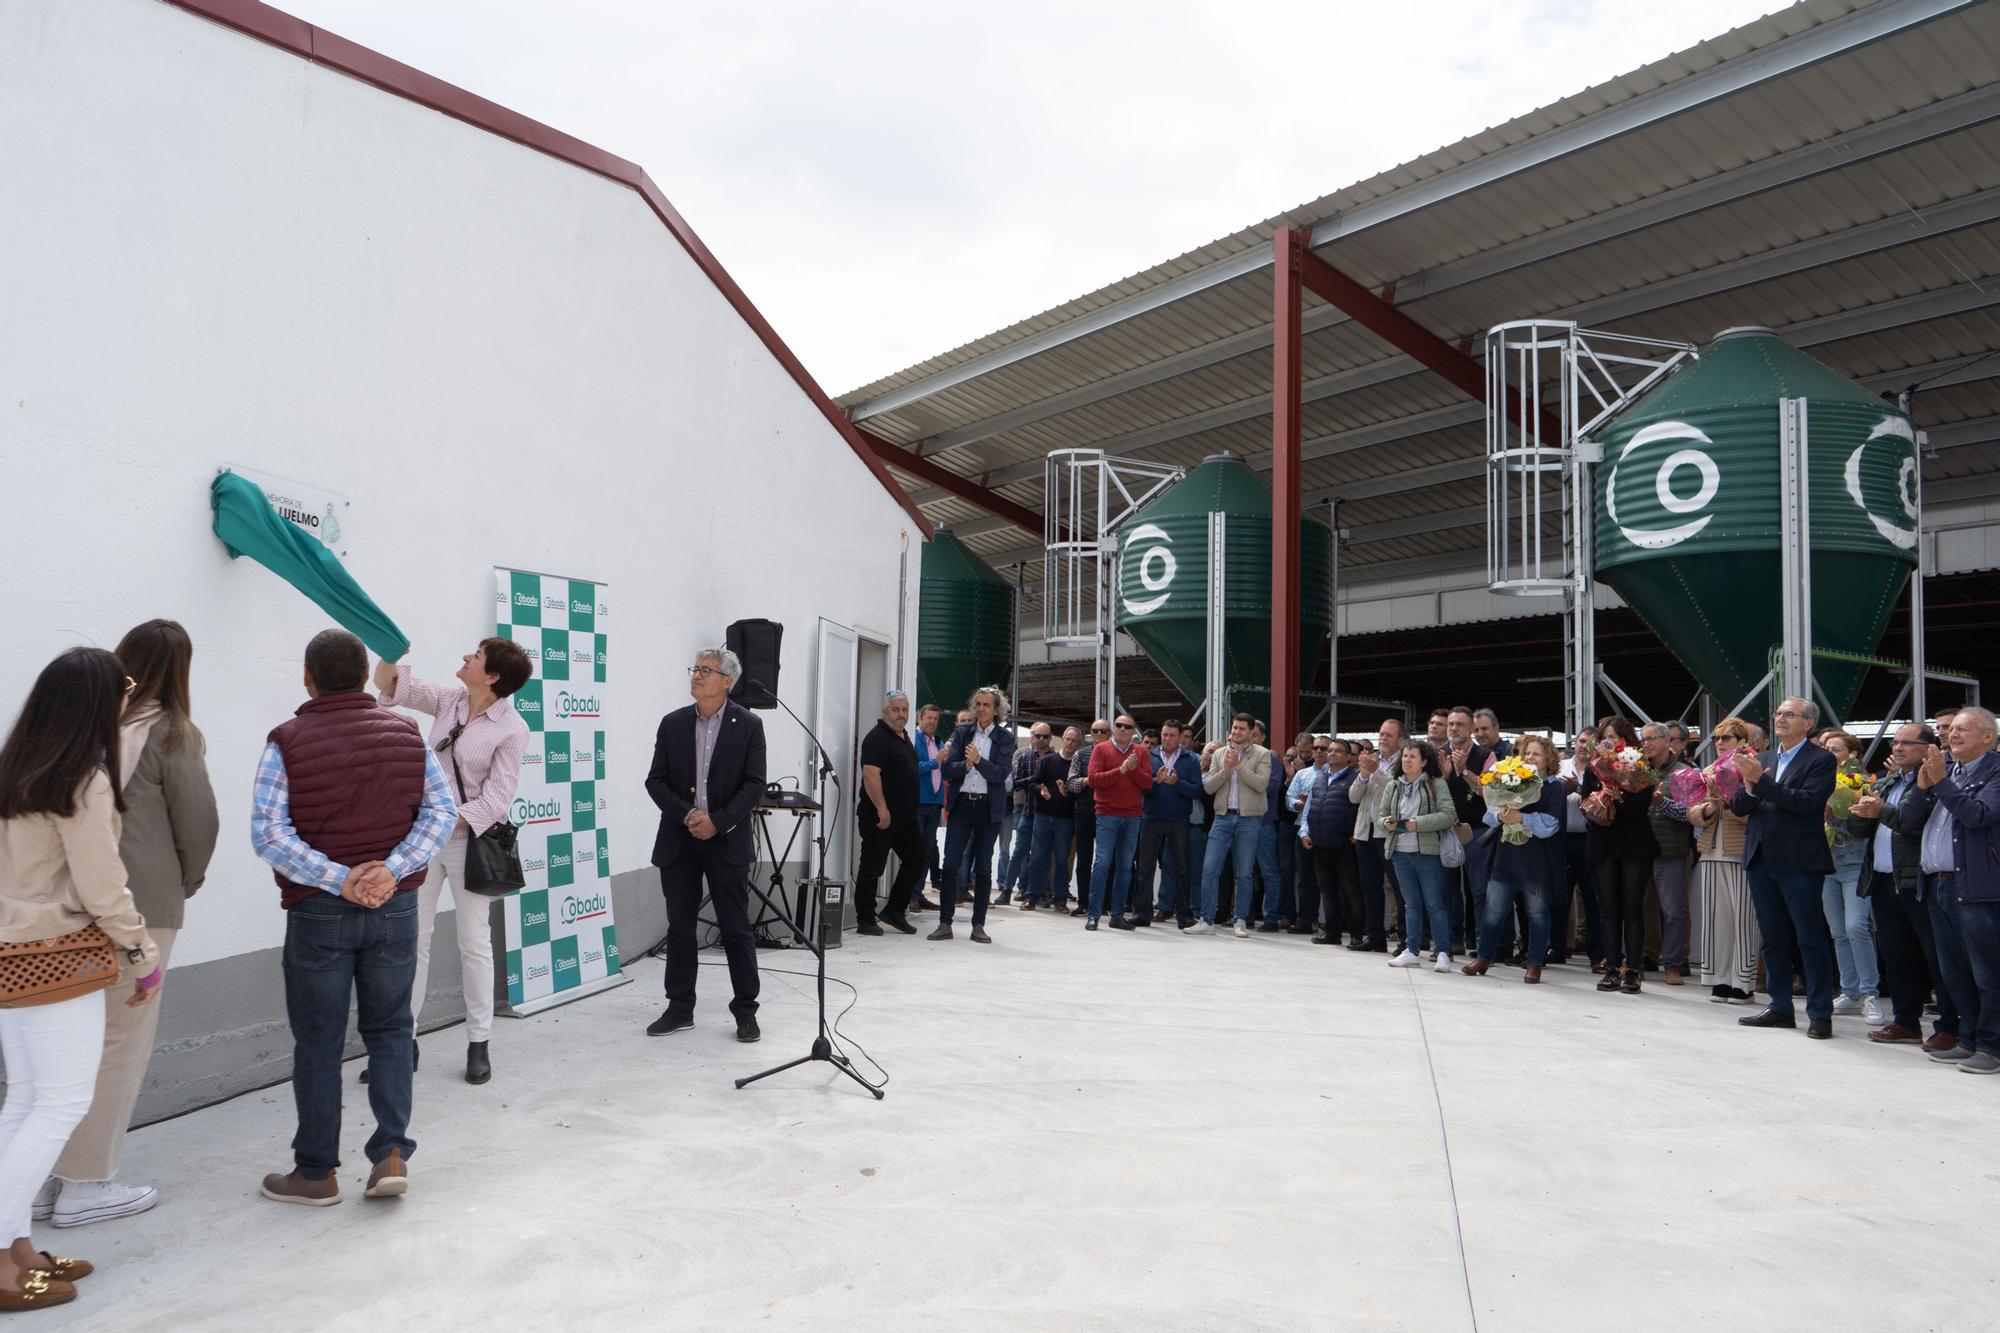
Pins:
x: 1120, y: 793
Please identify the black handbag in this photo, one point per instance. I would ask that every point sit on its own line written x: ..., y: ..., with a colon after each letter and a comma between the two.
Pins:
x: 492, y: 858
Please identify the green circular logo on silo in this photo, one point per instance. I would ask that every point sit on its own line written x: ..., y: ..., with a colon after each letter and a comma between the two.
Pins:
x: 1671, y: 476
x: 1151, y: 548
x: 1885, y: 481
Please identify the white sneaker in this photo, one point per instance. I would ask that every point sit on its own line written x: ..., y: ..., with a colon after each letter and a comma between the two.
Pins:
x: 45, y: 1199
x: 1406, y: 959
x: 1871, y: 1009
x: 1443, y: 962
x: 1199, y: 928
x: 1241, y: 930
x: 1844, y: 1003
x: 84, y: 1201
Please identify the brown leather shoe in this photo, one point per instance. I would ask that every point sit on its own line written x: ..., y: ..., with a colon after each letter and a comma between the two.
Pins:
x: 1674, y: 976
x: 1941, y: 1041
x: 38, y: 1290
x: 66, y: 1270
x: 1476, y: 968
x: 1532, y: 974
x: 390, y: 1179
x: 1597, y: 968
x: 295, y: 1188
x: 1892, y: 1032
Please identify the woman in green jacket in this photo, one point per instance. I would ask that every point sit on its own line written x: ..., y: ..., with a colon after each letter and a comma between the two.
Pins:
x: 1416, y: 811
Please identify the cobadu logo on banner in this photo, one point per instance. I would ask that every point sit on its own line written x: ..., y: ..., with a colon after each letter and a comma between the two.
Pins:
x: 531, y: 864
x: 1149, y: 546
x: 551, y: 602
x: 569, y: 706
x: 527, y: 600
x: 1895, y: 437
x: 527, y: 812
x: 587, y: 908
x: 1669, y: 475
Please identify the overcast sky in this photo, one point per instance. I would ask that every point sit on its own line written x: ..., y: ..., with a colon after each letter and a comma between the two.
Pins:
x: 890, y: 180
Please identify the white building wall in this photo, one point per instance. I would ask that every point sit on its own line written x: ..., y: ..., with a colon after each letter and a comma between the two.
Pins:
x: 216, y: 252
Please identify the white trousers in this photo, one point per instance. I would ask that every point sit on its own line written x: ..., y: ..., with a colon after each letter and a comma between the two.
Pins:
x: 52, y: 1052
x: 475, y: 939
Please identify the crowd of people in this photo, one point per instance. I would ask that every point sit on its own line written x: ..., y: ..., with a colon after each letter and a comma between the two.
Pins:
x: 1751, y: 863
x: 1780, y: 865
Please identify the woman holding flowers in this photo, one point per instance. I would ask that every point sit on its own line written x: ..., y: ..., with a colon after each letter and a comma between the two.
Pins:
x: 1621, y: 847
x: 1417, y: 809
x: 1846, y: 910
x: 1525, y: 806
x: 1726, y: 938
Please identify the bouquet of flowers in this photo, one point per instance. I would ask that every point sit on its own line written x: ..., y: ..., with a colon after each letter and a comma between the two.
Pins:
x: 1850, y: 784
x: 1718, y: 782
x: 1511, y: 784
x: 1622, y: 770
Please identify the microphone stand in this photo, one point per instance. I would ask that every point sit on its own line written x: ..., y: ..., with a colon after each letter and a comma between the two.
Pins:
x: 822, y: 1047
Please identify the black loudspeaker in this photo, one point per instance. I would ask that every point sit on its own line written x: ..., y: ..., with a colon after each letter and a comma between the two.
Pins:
x: 756, y: 643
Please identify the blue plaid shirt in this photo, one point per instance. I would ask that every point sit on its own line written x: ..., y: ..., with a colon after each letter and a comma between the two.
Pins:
x: 274, y: 838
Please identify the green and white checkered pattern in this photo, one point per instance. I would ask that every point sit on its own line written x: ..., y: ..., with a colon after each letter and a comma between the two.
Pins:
x: 559, y: 928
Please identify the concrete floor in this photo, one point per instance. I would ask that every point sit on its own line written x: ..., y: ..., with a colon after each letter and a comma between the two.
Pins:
x: 1108, y: 1131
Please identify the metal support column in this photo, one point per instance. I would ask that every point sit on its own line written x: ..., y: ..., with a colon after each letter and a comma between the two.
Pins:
x: 1919, y: 704
x: 1582, y: 629
x: 1285, y: 489
x: 1020, y: 595
x: 1333, y: 619
x: 1217, y: 704
x: 1795, y: 554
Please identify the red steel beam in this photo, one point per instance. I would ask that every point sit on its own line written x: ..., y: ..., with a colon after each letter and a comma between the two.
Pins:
x: 965, y: 488
x: 1404, y: 334
x: 1285, y: 484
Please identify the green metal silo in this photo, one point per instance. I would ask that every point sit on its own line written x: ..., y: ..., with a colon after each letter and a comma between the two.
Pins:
x: 965, y: 625
x: 1163, y: 581
x: 1688, y: 517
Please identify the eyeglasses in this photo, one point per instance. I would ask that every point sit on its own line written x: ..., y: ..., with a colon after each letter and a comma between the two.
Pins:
x: 1100, y: 731
x: 1128, y: 726
x: 703, y: 672
x: 1790, y: 712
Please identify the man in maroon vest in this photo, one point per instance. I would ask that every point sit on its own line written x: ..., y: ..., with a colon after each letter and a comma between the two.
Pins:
x: 350, y: 806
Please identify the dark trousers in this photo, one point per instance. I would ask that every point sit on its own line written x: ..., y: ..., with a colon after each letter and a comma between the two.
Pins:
x: 928, y: 819
x: 1792, y: 919
x: 904, y: 839
x: 1968, y: 948
x: 1947, y: 1003
x: 1086, y: 847
x: 1289, y: 900
x: 681, y: 882
x: 1370, y: 874
x: 335, y: 949
x: 1909, y: 958
x: 1621, y: 897
x: 1335, y: 871
x: 1172, y: 836
x: 1305, y: 880
x: 969, y: 836
x: 1581, y: 885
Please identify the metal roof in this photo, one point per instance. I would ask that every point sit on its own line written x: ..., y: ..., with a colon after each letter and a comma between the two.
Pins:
x: 1831, y: 170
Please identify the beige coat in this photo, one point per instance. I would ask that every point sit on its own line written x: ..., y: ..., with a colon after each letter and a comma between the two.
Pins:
x: 170, y: 828
x: 1253, y: 781
x: 59, y: 875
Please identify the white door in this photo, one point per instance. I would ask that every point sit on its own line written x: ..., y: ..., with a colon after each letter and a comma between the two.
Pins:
x: 834, y: 670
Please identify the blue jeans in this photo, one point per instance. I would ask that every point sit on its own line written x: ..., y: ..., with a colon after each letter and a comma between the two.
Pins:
x: 1424, y: 885
x: 1790, y: 917
x: 1979, y: 931
x: 1117, y: 845
x: 928, y: 819
x: 1848, y: 920
x: 1015, y: 856
x: 1496, y: 928
x: 968, y: 843
x: 335, y: 949
x: 1049, y: 860
x: 1231, y: 838
x: 1267, y: 870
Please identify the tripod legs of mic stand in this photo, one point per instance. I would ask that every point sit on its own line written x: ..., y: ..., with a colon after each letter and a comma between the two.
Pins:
x: 822, y: 1049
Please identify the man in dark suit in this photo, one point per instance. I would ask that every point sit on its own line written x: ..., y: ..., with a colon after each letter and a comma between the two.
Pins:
x: 707, y: 777
x: 1786, y: 860
x: 978, y: 763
